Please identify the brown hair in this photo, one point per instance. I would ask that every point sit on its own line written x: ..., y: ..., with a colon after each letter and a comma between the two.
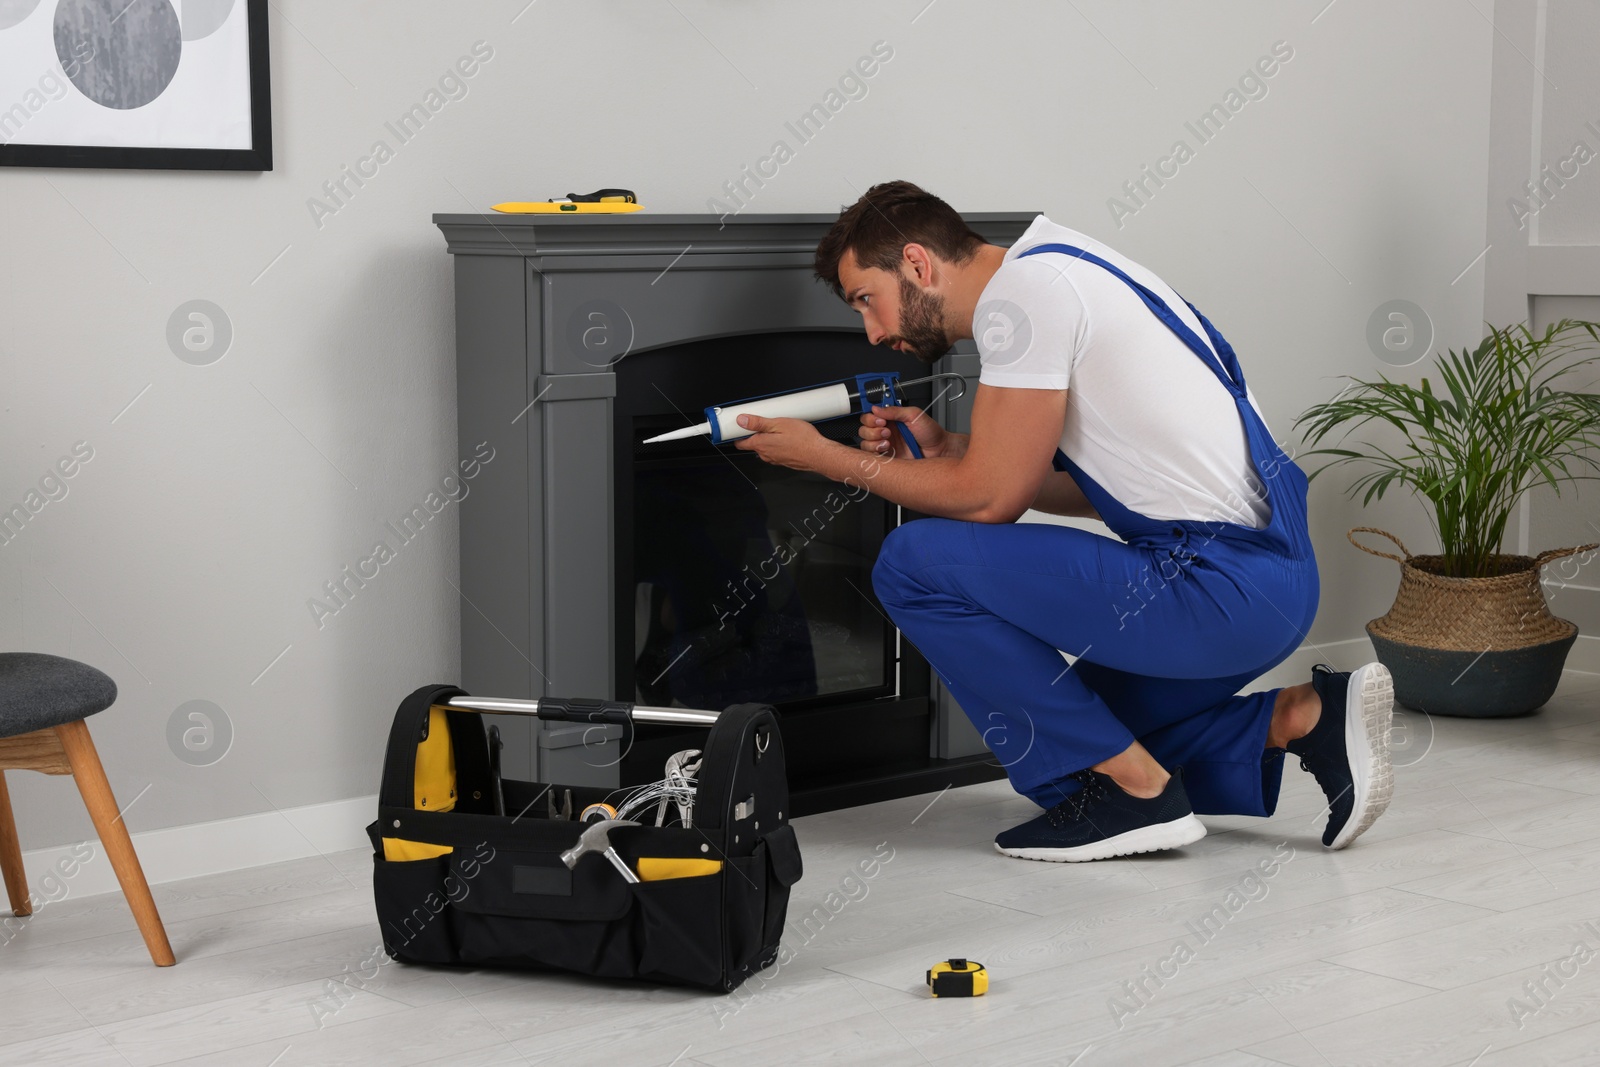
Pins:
x: 888, y: 217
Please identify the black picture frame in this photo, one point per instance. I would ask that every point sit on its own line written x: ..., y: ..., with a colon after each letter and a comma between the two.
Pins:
x: 258, y: 157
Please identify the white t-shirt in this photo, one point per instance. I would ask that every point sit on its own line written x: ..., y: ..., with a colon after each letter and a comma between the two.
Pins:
x: 1145, y: 418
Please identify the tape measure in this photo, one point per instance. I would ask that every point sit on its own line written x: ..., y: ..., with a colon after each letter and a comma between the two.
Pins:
x: 597, y: 812
x: 958, y: 978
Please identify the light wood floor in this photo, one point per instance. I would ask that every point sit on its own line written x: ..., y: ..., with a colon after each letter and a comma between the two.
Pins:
x: 1414, y: 947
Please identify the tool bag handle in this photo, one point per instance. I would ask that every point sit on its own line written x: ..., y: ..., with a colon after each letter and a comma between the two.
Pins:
x: 566, y: 709
x: 467, y: 739
x: 730, y: 765
x: 577, y: 709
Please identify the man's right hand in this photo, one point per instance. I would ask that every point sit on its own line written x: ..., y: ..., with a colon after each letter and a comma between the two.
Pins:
x: 878, y: 437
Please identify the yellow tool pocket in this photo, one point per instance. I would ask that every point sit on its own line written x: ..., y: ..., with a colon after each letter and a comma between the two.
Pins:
x: 657, y: 869
x: 434, y: 788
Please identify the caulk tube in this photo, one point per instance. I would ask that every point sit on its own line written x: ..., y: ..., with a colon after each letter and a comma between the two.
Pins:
x: 812, y: 405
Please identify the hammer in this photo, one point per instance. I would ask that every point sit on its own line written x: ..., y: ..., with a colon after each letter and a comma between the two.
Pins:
x: 594, y: 839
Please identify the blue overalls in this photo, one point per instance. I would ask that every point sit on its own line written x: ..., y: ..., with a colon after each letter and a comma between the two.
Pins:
x: 1166, y: 624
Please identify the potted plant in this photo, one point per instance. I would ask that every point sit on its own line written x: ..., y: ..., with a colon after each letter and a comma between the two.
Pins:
x: 1470, y: 632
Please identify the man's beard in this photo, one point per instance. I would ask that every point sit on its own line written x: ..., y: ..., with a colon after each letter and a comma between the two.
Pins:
x: 922, y: 327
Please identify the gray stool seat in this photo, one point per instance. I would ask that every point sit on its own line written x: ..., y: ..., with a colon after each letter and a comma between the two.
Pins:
x: 38, y: 691
x: 44, y: 701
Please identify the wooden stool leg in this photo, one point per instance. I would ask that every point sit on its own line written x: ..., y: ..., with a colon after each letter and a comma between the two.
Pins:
x: 11, y: 856
x: 91, y: 779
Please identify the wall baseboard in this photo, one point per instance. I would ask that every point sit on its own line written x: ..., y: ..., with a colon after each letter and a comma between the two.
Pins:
x: 198, y: 849
x: 1585, y: 655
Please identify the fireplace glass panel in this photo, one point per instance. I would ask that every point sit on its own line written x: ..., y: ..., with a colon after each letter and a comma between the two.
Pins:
x: 752, y: 583
x: 746, y: 581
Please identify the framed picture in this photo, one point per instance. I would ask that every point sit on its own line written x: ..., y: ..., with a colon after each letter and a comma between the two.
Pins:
x: 138, y: 84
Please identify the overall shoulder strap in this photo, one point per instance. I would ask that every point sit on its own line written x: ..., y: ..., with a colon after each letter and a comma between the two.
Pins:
x: 1223, y: 362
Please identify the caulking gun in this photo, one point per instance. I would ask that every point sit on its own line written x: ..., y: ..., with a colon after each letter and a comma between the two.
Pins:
x: 833, y: 400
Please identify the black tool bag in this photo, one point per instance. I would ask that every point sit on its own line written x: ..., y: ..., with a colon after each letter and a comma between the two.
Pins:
x: 491, y: 890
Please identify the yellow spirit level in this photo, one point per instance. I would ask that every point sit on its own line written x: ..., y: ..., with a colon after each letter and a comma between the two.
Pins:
x: 958, y: 978
x: 599, y: 202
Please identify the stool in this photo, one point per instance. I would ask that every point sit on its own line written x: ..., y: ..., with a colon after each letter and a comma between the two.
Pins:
x: 43, y: 702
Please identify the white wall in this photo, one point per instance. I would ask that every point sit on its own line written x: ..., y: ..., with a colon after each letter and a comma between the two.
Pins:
x: 1567, y: 109
x: 1570, y: 115
x: 1544, y: 223
x: 183, y: 557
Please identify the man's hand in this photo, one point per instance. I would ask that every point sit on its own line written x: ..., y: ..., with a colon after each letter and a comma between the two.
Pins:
x: 793, y: 443
x: 1003, y: 463
x: 879, y: 438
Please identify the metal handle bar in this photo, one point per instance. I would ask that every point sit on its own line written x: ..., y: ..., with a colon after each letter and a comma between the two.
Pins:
x: 562, y: 711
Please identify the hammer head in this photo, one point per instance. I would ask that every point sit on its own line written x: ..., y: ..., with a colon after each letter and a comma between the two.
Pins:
x: 593, y: 839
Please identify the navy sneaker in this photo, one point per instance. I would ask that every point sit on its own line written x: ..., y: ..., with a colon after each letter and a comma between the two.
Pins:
x: 1100, y: 821
x: 1348, y: 750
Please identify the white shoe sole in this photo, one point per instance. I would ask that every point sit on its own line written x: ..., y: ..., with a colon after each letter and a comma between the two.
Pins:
x: 1368, y: 717
x: 1156, y: 838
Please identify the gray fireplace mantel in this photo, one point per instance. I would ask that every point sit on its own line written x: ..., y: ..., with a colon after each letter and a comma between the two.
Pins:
x: 546, y: 306
x: 641, y: 234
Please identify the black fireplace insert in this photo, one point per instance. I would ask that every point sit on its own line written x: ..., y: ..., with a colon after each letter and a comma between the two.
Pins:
x: 739, y: 581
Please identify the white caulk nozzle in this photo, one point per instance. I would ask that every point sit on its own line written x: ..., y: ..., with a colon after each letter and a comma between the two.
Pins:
x: 701, y: 430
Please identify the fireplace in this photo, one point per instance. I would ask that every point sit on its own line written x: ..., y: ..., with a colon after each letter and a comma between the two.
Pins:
x: 680, y: 573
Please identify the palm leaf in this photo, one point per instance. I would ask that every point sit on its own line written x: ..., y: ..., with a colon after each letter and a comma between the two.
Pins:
x: 1502, y: 421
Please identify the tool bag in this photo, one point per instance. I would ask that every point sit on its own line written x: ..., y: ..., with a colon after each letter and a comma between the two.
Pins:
x: 456, y: 883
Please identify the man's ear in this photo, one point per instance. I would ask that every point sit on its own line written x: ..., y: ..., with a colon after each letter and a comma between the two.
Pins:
x: 917, y: 264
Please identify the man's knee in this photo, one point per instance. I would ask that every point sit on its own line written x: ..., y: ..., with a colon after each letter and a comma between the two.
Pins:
x: 908, y: 548
x: 888, y: 577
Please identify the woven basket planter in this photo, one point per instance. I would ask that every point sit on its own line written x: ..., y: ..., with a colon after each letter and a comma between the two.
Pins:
x: 1480, y: 647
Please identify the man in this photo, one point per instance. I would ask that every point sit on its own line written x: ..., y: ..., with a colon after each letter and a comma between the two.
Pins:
x: 1102, y: 394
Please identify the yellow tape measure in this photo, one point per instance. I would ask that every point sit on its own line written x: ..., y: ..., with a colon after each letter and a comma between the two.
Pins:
x: 958, y: 978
